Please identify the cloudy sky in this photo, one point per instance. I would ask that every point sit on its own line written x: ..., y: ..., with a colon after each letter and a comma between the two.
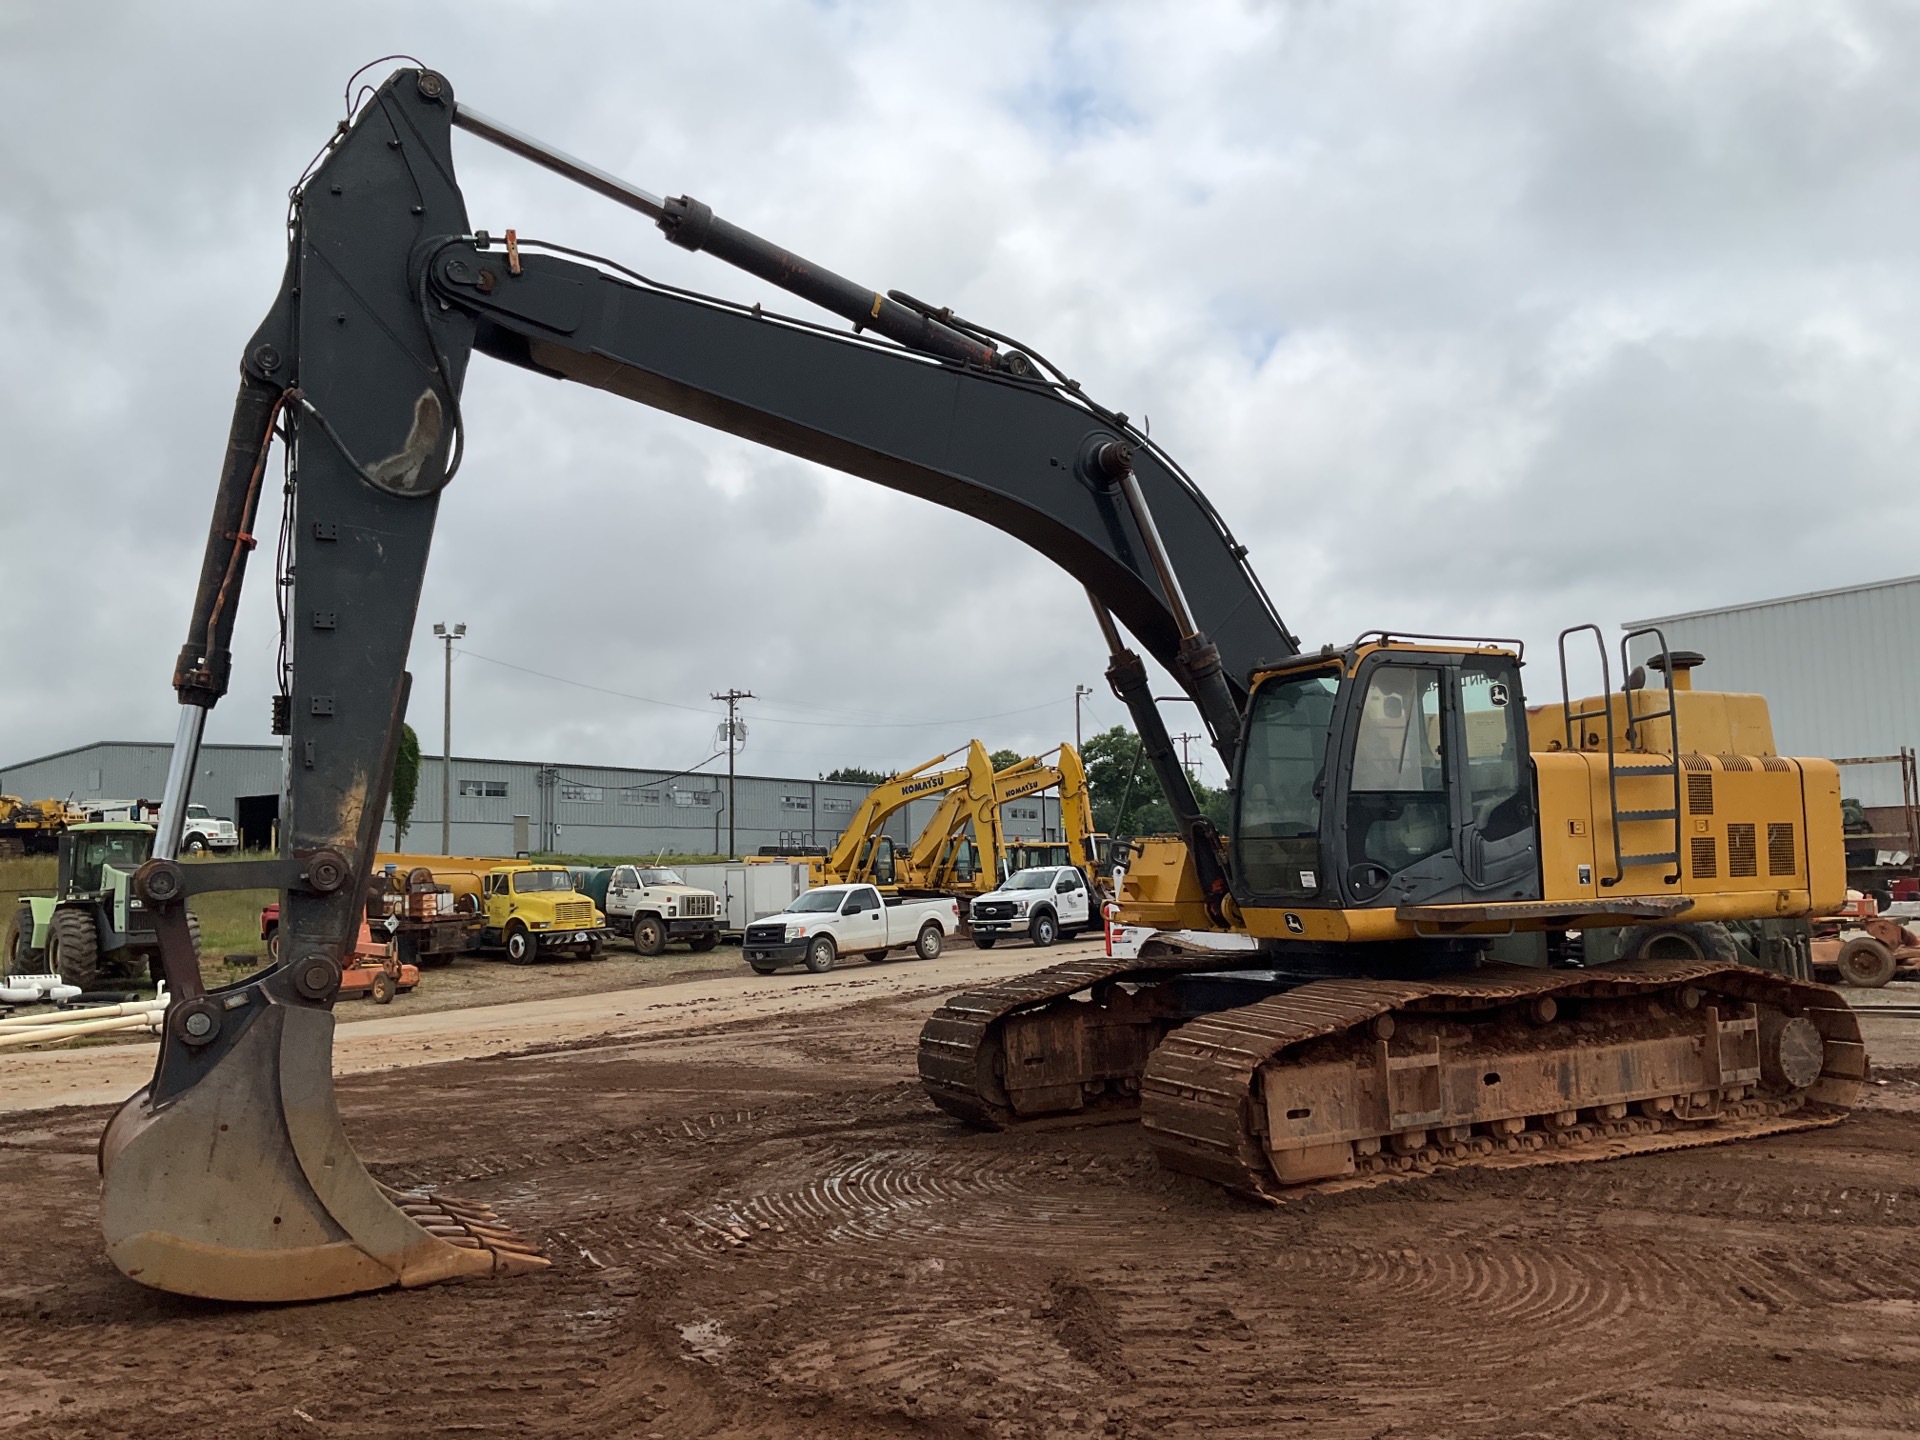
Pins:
x: 1478, y: 319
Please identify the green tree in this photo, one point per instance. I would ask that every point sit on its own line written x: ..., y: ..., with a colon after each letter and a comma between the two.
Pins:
x: 1126, y: 793
x: 406, y: 784
x: 1003, y: 758
x: 855, y: 775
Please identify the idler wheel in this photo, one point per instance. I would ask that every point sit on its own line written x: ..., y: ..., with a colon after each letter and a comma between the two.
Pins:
x: 1792, y: 1052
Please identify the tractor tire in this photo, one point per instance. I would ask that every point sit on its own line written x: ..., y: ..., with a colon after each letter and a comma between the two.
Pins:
x: 1043, y: 929
x: 928, y: 945
x: 822, y: 954
x: 523, y: 948
x: 1865, y: 963
x: 383, y: 988
x: 22, y: 958
x: 73, y: 947
x: 700, y: 944
x: 649, y: 935
x: 1695, y: 940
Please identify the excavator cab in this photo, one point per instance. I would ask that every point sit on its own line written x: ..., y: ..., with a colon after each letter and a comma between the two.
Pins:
x: 1390, y: 775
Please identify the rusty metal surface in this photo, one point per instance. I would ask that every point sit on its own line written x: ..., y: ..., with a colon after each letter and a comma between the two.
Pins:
x: 1203, y: 1112
x: 962, y: 1040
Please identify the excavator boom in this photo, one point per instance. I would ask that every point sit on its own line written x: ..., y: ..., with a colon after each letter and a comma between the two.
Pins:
x: 229, y: 1175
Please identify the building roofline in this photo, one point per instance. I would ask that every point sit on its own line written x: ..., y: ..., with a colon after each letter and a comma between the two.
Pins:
x: 1777, y: 600
x: 659, y: 771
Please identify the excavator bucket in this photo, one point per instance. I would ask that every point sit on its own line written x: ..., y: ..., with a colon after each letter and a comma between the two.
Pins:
x: 244, y: 1185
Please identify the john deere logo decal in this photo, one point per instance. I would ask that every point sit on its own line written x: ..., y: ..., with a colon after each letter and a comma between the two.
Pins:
x: 1295, y: 926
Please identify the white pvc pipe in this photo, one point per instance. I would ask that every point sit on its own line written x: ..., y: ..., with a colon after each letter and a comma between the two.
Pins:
x: 51, y: 1035
x: 99, y: 1012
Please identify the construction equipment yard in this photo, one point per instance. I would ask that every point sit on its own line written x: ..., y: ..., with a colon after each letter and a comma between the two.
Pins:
x: 760, y: 1226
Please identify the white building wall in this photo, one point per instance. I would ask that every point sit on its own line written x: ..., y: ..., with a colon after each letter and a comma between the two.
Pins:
x: 1837, y: 668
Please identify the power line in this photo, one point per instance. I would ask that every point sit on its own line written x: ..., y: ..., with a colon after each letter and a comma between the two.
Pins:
x: 735, y: 734
x: 769, y: 719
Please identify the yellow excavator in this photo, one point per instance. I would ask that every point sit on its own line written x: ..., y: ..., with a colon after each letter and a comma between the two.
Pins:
x: 1440, y: 929
x: 864, y: 854
x: 964, y: 846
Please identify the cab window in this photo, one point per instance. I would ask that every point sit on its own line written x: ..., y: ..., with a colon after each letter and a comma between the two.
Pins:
x: 1281, y: 782
x: 1398, y: 811
x: 1498, y: 782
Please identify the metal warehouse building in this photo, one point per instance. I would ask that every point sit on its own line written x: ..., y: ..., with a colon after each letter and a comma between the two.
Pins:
x: 503, y: 806
x: 1836, y: 668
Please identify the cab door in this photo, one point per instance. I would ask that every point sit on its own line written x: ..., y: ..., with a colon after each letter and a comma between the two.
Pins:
x: 863, y: 921
x: 1438, y: 792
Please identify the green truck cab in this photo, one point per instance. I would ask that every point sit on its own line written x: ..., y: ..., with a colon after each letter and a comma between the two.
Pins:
x: 534, y: 909
x: 91, y: 928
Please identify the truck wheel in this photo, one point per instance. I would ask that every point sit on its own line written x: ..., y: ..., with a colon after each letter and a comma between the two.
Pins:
x: 1044, y: 929
x: 22, y: 958
x: 763, y: 967
x: 984, y: 942
x: 594, y: 947
x: 821, y: 954
x: 383, y: 988
x: 700, y: 944
x: 273, y: 943
x: 73, y: 947
x: 649, y: 935
x: 522, y: 946
x: 1866, y: 963
x: 927, y: 946
x: 195, y: 845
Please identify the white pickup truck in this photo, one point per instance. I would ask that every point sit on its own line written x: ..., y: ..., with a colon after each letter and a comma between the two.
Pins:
x: 835, y: 920
x: 1043, y: 903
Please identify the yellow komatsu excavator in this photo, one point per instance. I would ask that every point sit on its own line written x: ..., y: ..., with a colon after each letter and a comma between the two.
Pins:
x: 965, y: 845
x: 1439, y: 929
x: 864, y: 854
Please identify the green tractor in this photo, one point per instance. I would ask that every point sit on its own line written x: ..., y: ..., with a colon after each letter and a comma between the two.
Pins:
x: 92, y: 929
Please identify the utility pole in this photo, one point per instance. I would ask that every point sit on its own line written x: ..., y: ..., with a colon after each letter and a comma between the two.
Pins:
x: 1186, y: 760
x: 1080, y: 692
x: 447, y: 637
x: 734, y: 735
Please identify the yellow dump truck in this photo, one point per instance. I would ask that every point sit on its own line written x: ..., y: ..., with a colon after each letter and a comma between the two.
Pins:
x: 529, y: 909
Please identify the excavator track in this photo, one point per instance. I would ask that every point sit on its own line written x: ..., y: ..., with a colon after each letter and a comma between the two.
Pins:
x: 1024, y: 1050
x: 1342, y: 1083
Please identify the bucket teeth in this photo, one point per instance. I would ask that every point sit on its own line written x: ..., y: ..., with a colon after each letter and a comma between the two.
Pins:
x: 470, y: 1225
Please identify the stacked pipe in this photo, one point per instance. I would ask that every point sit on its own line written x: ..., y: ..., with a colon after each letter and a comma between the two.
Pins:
x: 95, y: 1020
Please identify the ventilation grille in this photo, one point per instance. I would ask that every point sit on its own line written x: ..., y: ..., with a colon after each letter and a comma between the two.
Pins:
x: 1700, y: 792
x: 1775, y: 764
x: 1694, y: 760
x: 1743, y: 852
x: 1706, y: 859
x: 1735, y: 762
x: 1780, y: 849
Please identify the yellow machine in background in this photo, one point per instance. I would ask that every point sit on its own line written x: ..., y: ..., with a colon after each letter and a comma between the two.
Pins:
x: 862, y: 854
x: 965, y: 845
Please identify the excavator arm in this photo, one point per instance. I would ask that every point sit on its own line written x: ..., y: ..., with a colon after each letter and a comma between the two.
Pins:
x: 358, y: 367
x: 852, y: 857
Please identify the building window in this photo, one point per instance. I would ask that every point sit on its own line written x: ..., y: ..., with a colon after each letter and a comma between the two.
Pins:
x: 582, y: 794
x: 640, y: 795
x: 692, y: 799
x: 496, y: 789
x: 836, y: 805
x: 795, y: 802
x: 1023, y: 812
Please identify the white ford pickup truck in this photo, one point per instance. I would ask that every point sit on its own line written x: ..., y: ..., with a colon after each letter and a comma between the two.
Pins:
x: 1043, y: 903
x: 835, y: 920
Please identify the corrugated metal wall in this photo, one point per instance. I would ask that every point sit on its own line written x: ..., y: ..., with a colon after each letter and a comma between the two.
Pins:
x: 575, y: 809
x: 1837, y: 669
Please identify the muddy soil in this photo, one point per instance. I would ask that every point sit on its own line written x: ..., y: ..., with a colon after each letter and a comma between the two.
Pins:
x: 765, y: 1230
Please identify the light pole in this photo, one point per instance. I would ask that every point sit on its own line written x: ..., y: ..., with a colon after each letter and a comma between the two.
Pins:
x: 1080, y: 692
x: 447, y: 637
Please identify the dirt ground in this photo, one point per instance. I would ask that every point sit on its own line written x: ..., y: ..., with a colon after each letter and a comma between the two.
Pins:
x: 763, y: 1229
